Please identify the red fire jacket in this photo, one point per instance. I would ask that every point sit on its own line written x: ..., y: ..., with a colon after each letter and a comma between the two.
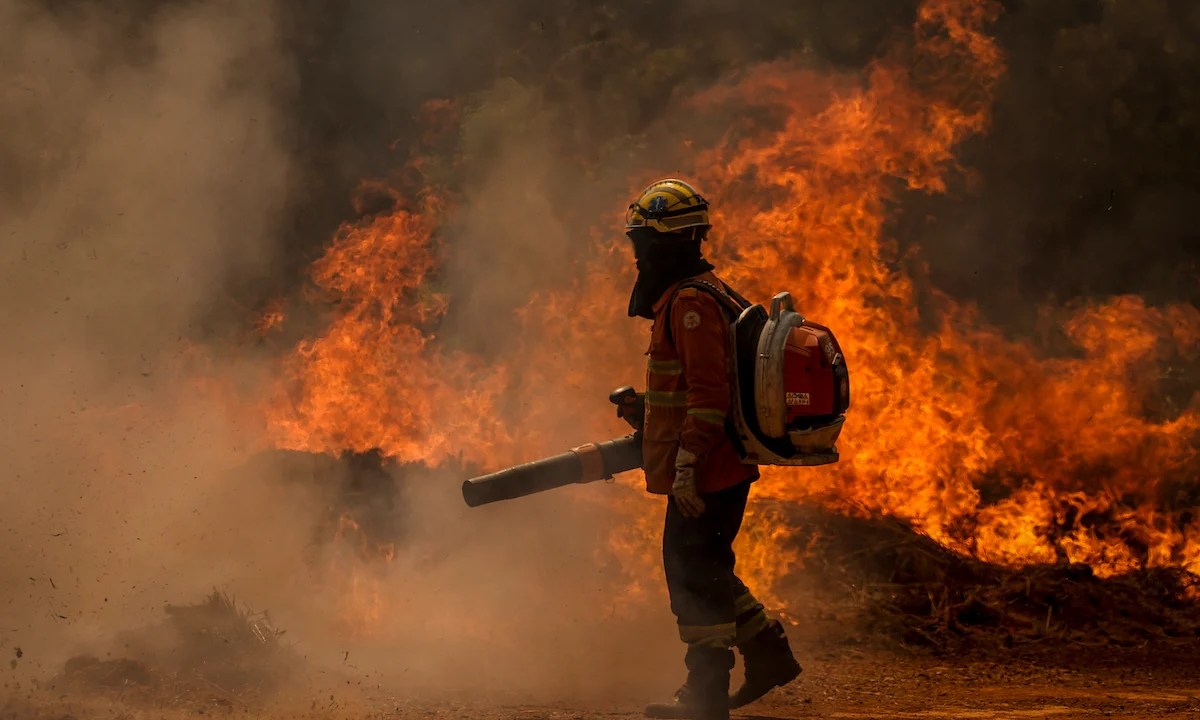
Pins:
x: 688, y: 392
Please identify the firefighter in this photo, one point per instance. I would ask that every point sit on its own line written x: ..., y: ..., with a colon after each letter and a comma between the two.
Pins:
x: 688, y: 456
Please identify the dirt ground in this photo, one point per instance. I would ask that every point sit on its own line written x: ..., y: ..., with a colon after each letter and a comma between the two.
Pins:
x: 871, y: 686
x: 837, y: 683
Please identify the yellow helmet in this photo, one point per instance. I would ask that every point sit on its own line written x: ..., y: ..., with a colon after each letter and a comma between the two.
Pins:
x: 668, y: 206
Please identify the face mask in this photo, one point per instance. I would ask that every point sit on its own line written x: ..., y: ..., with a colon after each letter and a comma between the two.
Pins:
x: 661, y: 262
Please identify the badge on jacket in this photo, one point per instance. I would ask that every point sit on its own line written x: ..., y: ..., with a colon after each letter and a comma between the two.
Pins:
x: 691, y: 320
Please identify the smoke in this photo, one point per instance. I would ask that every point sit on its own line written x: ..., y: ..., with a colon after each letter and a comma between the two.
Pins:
x: 145, y: 174
x: 1086, y: 183
x: 168, y: 166
x: 511, y: 234
x: 1082, y: 185
x: 156, y: 165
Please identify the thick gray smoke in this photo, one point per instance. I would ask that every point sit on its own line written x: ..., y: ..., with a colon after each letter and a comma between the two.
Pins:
x: 153, y: 173
x: 143, y: 172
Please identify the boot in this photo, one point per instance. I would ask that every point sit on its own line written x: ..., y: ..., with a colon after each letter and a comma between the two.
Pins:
x: 769, y: 664
x: 705, y: 695
x: 678, y: 708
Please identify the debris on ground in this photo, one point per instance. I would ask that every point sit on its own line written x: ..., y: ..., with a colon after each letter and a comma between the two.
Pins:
x: 212, y: 652
x: 897, y: 585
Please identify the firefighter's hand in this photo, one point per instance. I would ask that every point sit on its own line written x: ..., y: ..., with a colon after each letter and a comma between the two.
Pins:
x: 684, y: 488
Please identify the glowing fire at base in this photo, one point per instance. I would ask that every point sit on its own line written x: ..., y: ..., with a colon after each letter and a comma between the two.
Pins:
x: 987, y: 447
x: 360, y: 591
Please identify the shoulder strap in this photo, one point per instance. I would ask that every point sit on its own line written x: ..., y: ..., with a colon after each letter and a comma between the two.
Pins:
x: 742, y: 302
x: 731, y: 301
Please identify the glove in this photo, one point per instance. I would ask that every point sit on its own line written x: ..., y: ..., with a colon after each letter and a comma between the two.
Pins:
x: 684, y: 488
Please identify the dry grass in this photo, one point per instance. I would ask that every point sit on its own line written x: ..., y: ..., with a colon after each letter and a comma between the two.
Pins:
x: 899, y: 586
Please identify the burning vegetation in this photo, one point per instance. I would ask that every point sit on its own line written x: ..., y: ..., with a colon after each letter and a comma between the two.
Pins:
x: 1004, y: 452
x: 1018, y: 468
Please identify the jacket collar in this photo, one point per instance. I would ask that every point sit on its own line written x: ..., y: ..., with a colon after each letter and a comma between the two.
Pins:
x: 666, y: 296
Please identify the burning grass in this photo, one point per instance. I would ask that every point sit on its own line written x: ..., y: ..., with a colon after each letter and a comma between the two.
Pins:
x: 901, y: 587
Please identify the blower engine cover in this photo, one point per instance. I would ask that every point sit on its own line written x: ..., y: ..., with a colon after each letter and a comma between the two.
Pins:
x: 793, y: 410
x: 816, y: 385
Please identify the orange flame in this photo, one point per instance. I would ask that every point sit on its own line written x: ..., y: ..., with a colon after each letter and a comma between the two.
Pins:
x: 373, y: 380
x: 357, y: 586
x: 987, y: 447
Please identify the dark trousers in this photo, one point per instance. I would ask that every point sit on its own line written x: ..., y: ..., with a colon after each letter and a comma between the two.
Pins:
x: 698, y: 560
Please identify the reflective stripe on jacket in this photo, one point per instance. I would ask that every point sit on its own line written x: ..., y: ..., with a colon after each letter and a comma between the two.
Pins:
x: 688, y: 392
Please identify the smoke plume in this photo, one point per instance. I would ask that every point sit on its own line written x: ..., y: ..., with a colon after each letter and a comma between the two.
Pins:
x: 145, y: 174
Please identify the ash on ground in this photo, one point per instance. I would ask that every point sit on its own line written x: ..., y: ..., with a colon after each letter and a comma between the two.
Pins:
x: 212, y: 652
